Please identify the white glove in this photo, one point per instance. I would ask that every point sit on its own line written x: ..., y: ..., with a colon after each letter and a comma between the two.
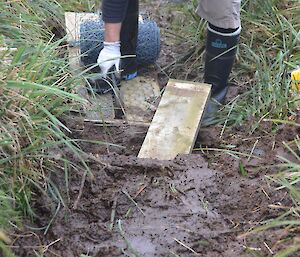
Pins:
x: 109, y: 56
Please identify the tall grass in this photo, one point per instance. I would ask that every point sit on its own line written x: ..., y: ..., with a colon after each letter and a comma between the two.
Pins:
x: 80, y: 5
x: 8, y: 216
x: 269, y: 48
x: 36, y: 89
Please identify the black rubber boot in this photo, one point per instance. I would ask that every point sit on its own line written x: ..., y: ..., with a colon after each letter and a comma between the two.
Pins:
x: 129, y: 32
x: 221, y: 45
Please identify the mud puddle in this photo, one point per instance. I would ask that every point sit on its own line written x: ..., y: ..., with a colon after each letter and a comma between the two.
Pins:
x: 135, y: 207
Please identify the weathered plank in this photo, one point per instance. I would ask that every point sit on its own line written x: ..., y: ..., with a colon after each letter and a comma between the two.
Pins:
x: 176, y: 122
x: 73, y: 20
x: 139, y: 96
x: 100, y: 107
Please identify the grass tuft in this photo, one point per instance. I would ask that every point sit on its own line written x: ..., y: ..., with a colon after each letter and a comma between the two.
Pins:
x: 36, y: 90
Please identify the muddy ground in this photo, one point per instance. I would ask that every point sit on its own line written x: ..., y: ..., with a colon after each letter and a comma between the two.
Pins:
x: 196, y: 205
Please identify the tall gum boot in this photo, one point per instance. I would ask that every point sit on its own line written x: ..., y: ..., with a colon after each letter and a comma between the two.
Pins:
x: 129, y: 32
x: 219, y: 58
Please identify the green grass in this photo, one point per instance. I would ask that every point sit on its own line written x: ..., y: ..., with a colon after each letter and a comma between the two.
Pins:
x: 8, y: 216
x: 36, y: 90
x: 81, y: 5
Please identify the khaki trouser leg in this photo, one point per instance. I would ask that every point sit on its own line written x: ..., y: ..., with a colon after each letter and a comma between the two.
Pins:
x: 221, y: 13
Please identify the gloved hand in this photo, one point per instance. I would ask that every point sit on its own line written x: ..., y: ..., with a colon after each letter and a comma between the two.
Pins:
x: 109, y: 56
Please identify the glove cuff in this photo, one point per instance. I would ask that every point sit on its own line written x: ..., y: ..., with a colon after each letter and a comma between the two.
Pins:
x: 113, y: 44
x: 112, y: 47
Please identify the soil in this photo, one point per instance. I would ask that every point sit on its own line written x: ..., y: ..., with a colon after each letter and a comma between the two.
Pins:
x: 160, y: 208
x: 196, y: 205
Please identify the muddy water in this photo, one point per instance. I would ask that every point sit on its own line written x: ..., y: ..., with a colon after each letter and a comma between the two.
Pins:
x: 183, y: 208
x: 175, y: 210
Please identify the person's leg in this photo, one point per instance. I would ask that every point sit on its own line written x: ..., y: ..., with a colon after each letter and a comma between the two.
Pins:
x: 129, y: 33
x: 224, y: 14
x: 220, y: 53
x: 222, y: 39
x: 121, y: 27
x: 113, y: 15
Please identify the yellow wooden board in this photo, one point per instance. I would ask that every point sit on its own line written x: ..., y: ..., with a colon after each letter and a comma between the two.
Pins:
x: 73, y: 21
x: 139, y: 96
x: 176, y: 123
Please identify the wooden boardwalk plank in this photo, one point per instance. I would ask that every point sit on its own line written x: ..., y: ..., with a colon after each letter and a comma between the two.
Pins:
x: 139, y: 96
x: 176, y: 122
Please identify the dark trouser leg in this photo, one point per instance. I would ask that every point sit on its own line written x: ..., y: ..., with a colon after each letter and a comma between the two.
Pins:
x: 219, y: 58
x: 129, y: 34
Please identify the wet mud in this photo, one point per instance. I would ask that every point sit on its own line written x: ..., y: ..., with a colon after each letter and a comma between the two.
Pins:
x: 140, y: 207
